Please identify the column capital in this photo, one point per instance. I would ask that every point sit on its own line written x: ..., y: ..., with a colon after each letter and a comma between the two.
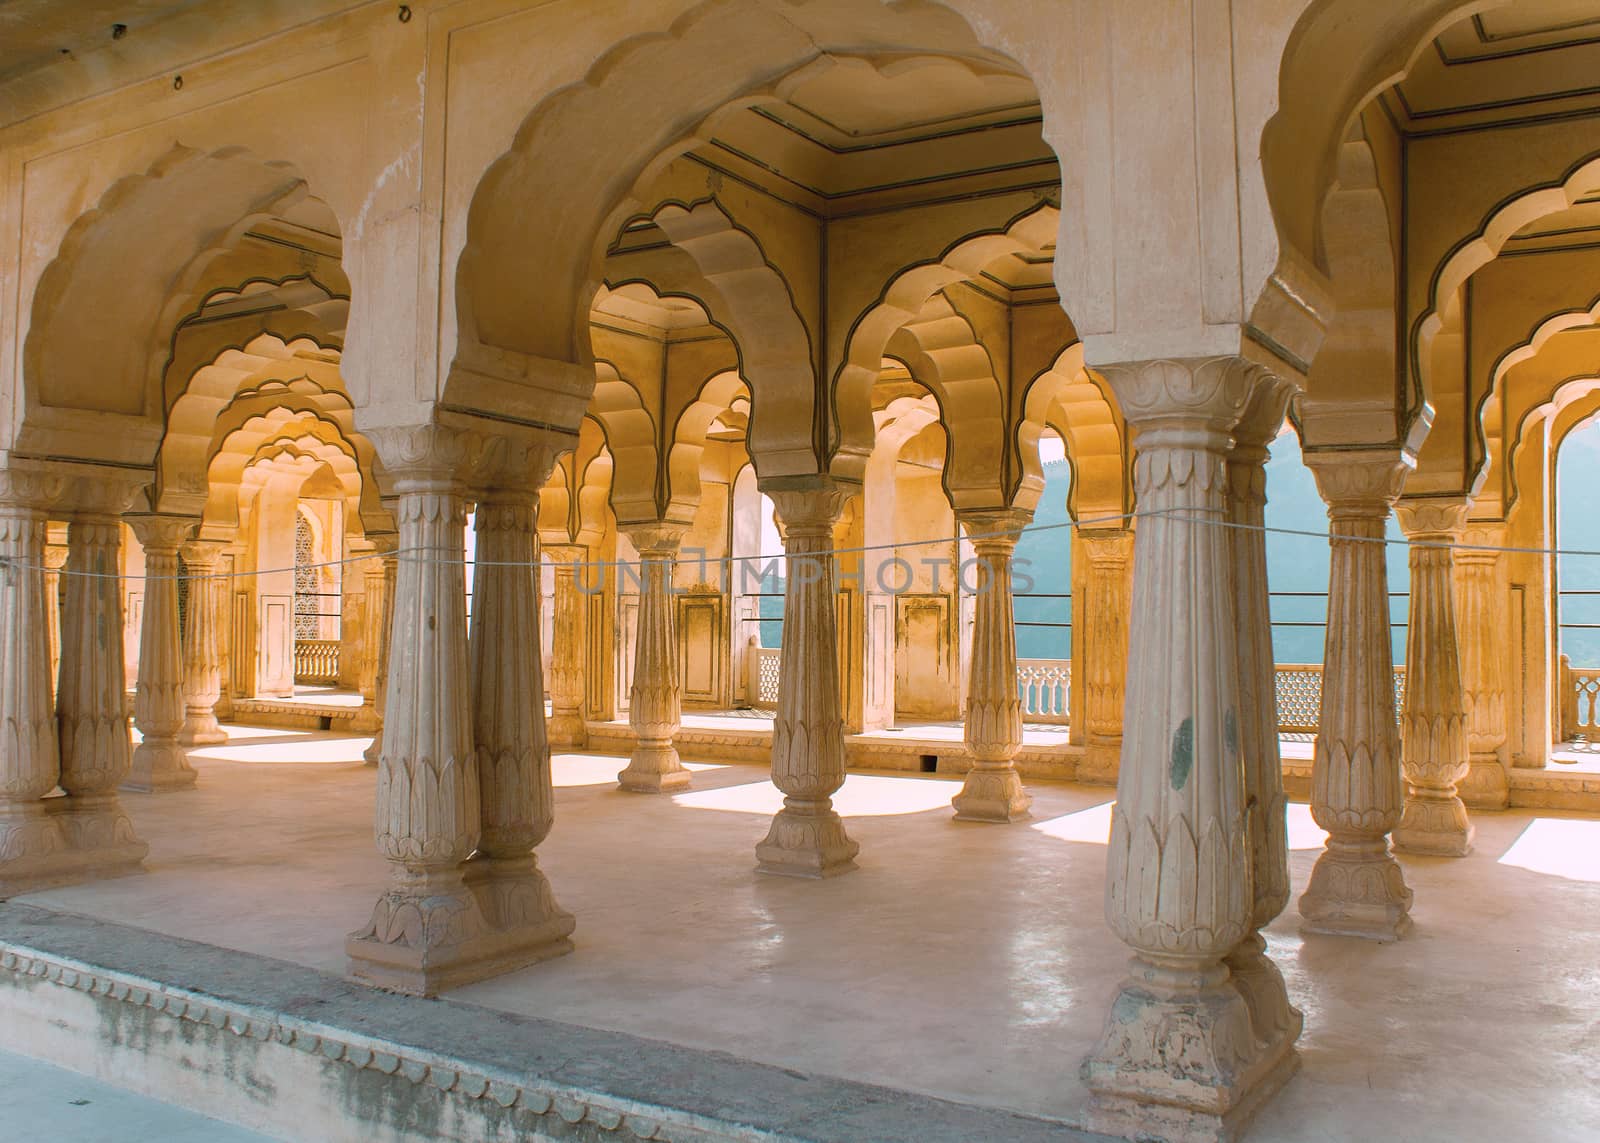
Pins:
x: 1262, y: 418
x: 1360, y: 482
x: 33, y: 489
x: 91, y: 495
x: 1483, y: 542
x: 657, y: 538
x: 202, y: 555
x: 1207, y: 392
x: 995, y: 529
x: 808, y: 502
x: 161, y: 533
x: 1438, y: 519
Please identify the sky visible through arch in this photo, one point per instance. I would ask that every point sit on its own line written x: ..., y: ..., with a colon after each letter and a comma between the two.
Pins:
x: 1578, y: 528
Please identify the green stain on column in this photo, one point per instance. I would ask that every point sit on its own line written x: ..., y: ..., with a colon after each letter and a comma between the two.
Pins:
x: 1182, y: 753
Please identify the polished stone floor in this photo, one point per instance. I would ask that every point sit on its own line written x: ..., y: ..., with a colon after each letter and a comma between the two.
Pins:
x: 963, y: 960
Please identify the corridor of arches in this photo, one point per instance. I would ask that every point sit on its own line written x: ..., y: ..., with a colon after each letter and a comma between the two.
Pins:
x: 775, y: 463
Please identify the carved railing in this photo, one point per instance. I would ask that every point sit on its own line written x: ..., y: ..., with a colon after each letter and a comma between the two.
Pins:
x: 316, y: 662
x: 1580, y: 702
x: 1299, y: 692
x: 1045, y: 688
x: 761, y: 681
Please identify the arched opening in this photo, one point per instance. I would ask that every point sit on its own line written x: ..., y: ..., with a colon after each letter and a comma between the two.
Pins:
x: 1577, y: 584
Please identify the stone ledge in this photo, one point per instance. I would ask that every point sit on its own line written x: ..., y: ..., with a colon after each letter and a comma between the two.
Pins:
x: 282, y: 1048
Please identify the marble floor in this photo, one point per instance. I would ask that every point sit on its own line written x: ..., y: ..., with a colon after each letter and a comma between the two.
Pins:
x: 963, y: 960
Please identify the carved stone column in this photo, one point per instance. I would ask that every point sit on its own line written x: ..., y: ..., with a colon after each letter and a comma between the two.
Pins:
x: 202, y: 645
x: 1178, y: 1058
x: 31, y: 845
x: 55, y: 558
x: 1107, y: 587
x: 517, y: 799
x: 427, y: 932
x: 91, y: 707
x: 992, y: 791
x: 654, y: 703
x: 567, y: 727
x: 1482, y: 599
x: 374, y: 631
x: 1277, y: 1023
x: 1434, y: 720
x: 807, y: 838
x: 1357, y: 888
x: 388, y: 573
x: 159, y: 764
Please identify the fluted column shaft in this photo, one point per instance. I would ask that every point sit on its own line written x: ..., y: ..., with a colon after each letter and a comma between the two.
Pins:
x: 1481, y: 601
x: 807, y: 838
x: 1357, y: 888
x: 374, y: 605
x: 1433, y: 736
x: 30, y: 761
x: 96, y: 749
x: 992, y: 790
x: 202, y: 645
x: 654, y: 701
x: 1276, y: 1022
x: 428, y: 800
x: 159, y: 763
x: 55, y: 558
x: 567, y: 726
x: 1104, y: 630
x: 383, y: 618
x: 1179, y: 888
x: 517, y: 799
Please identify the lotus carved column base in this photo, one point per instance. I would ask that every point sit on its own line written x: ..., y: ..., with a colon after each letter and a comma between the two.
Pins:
x: 1178, y: 1060
x: 1486, y: 786
x: 654, y: 768
x: 1357, y: 890
x: 807, y: 839
x: 1435, y: 824
x: 159, y: 768
x: 1100, y: 763
x: 430, y: 933
x: 366, y: 720
x: 566, y: 731
x: 1276, y: 1022
x: 200, y: 728
x: 992, y: 792
x: 64, y: 840
x: 519, y: 905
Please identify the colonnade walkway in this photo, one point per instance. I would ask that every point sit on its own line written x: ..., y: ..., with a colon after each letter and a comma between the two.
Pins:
x: 963, y: 961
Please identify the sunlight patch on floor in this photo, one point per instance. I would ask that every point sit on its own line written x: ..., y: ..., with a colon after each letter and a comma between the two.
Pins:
x: 1562, y: 847
x: 862, y: 796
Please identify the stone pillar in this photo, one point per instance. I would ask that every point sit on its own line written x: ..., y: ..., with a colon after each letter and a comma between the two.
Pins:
x: 1178, y: 1058
x: 390, y: 565
x: 1098, y: 697
x: 159, y: 764
x: 91, y: 707
x: 31, y: 845
x: 202, y: 645
x: 654, y: 702
x: 1482, y: 599
x: 375, y: 614
x: 567, y: 727
x: 1434, y: 720
x: 516, y: 797
x: 427, y: 932
x: 1357, y: 888
x: 992, y: 791
x: 1277, y: 1023
x: 55, y: 558
x: 807, y: 838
